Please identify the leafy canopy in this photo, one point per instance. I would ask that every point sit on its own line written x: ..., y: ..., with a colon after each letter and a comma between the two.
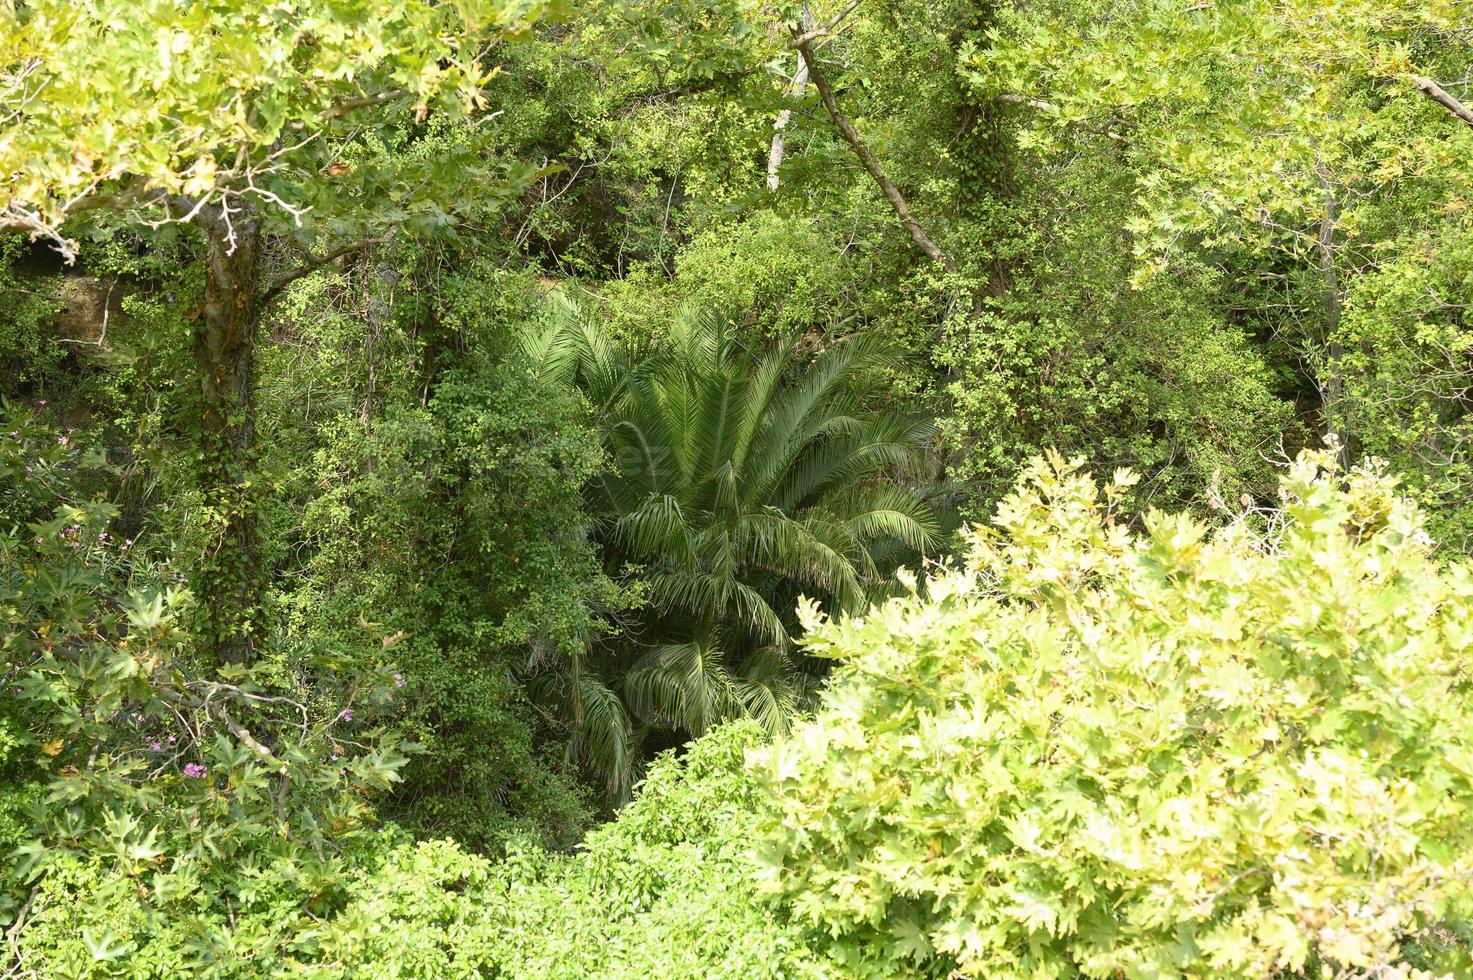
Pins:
x: 1243, y: 115
x: 1144, y: 754
x: 177, y: 107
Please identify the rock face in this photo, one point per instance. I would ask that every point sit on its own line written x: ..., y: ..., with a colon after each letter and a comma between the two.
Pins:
x: 87, y: 306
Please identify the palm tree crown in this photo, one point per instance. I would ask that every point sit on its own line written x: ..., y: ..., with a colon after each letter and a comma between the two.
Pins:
x: 739, y: 481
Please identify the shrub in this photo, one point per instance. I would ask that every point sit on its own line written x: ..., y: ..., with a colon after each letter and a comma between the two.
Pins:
x: 146, y: 791
x: 460, y: 523
x: 669, y: 889
x: 1170, y: 752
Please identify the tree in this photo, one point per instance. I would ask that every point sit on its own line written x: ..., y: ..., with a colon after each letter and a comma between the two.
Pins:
x: 1276, y: 128
x: 232, y: 119
x: 739, y: 480
x: 1172, y: 751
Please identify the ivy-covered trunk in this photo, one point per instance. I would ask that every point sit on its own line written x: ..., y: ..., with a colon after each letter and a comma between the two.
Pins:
x: 228, y: 583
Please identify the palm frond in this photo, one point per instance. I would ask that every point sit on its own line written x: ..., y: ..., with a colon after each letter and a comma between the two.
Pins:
x: 712, y: 598
x: 764, y: 687
x: 682, y: 685
x: 656, y: 527
x: 890, y: 511
x: 808, y: 551
x: 602, y: 736
x: 850, y: 457
x: 737, y: 481
x: 797, y: 413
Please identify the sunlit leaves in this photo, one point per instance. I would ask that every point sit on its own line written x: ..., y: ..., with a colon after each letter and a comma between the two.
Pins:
x: 1241, y: 114
x: 121, y: 104
x: 1172, y: 752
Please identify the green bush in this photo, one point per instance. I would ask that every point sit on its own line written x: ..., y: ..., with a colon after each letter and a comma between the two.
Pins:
x: 1114, y: 753
x: 145, y: 788
x: 432, y: 484
x: 29, y: 350
x: 669, y: 890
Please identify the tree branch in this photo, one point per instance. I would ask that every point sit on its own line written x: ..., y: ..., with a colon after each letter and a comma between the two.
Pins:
x: 18, y: 218
x: 1099, y: 129
x: 871, y: 165
x: 1442, y: 97
x: 819, y: 32
x: 352, y: 105
x: 795, y: 87
x: 311, y: 264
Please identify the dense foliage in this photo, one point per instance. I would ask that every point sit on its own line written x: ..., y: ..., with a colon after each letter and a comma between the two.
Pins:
x: 668, y: 889
x: 735, y: 481
x: 419, y: 420
x: 1165, y: 752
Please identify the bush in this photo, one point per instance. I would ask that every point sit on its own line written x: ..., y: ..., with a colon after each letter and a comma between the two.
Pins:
x: 460, y: 524
x: 1104, y: 752
x: 668, y: 890
x: 146, y: 792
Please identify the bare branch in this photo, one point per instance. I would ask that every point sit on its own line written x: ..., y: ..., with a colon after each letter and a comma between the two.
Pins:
x: 1442, y: 97
x: 16, y: 217
x: 367, y: 101
x: 12, y: 935
x: 796, y: 87
x: 819, y: 32
x: 311, y: 264
x: 871, y: 165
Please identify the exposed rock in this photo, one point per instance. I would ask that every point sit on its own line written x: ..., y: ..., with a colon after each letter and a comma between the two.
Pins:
x: 88, y: 305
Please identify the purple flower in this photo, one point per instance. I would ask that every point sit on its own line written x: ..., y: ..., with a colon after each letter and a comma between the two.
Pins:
x: 345, y: 715
x: 398, y: 680
x: 171, y: 739
x: 334, y: 757
x: 194, y: 771
x: 155, y: 746
x: 63, y: 439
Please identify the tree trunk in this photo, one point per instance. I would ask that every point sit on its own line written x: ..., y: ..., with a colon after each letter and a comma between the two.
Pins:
x: 228, y: 584
x: 796, y: 88
x: 1332, y: 387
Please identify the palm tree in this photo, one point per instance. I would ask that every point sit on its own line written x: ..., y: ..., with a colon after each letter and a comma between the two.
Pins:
x: 739, y: 481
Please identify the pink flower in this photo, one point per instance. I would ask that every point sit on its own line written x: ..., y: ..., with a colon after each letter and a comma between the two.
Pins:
x: 345, y: 715
x: 42, y: 402
x: 155, y: 746
x: 398, y: 680
x: 194, y: 771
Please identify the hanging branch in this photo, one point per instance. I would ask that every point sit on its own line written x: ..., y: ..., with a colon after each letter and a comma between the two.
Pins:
x: 1442, y: 97
x: 804, y: 44
x: 311, y: 264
